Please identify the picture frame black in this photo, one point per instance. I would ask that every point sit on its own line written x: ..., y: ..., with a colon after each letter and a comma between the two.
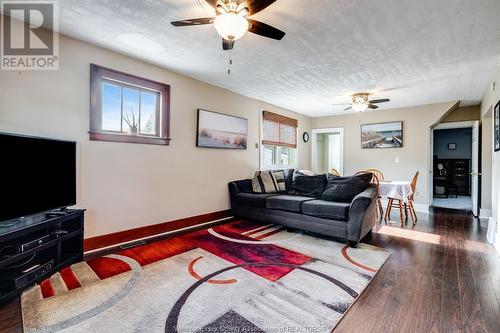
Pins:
x: 452, y: 146
x: 199, y: 140
x: 379, y: 127
x: 305, y: 137
x: 496, y: 127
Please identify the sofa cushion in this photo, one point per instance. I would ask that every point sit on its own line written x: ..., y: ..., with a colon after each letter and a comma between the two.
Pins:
x: 257, y: 200
x: 289, y: 203
x: 344, y: 189
x: 309, y: 186
x: 327, y: 209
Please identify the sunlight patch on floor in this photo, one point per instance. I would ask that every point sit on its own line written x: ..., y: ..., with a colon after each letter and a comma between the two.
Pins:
x: 477, y: 246
x: 409, y: 234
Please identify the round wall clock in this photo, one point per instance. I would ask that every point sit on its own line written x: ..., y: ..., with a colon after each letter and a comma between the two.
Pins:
x: 305, y: 136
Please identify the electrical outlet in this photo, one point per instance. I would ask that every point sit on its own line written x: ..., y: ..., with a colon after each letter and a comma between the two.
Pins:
x: 256, y: 145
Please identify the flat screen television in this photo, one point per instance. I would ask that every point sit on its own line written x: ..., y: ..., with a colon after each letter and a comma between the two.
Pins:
x: 37, y: 175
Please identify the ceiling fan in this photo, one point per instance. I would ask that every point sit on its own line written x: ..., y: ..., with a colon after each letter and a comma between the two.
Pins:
x: 361, y: 102
x: 232, y: 22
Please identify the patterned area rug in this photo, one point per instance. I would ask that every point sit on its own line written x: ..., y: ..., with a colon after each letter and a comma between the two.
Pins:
x: 238, y: 277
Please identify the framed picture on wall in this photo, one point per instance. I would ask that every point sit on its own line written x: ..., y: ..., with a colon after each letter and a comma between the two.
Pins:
x: 496, y: 128
x: 217, y: 130
x: 383, y: 135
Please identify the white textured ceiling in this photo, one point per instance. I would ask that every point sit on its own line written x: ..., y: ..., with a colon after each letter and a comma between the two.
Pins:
x: 419, y: 51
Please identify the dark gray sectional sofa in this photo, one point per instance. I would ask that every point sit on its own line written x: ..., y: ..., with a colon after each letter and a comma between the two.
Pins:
x: 350, y: 221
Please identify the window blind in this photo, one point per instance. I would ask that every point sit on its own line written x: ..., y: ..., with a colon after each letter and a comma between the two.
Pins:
x: 279, y: 130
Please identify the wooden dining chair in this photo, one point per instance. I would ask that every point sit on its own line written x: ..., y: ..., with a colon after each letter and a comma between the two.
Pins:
x: 335, y: 172
x: 376, y: 182
x: 397, y: 203
x: 380, y: 178
x: 413, y: 213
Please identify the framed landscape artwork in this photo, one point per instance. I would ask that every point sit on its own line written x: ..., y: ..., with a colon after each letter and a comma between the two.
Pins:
x: 383, y: 135
x: 217, y: 130
x: 496, y: 128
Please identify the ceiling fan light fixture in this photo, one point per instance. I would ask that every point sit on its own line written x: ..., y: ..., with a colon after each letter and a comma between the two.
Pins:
x: 359, y: 107
x: 231, y: 26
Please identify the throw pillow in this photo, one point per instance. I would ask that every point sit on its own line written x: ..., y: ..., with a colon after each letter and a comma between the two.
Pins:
x: 279, y: 176
x: 309, y: 186
x: 344, y: 189
x: 264, y: 182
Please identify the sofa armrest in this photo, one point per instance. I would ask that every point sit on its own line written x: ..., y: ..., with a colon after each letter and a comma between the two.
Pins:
x: 362, y: 214
x: 239, y: 186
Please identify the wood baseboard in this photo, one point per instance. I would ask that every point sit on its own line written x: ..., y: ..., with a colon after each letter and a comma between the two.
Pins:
x: 98, y: 242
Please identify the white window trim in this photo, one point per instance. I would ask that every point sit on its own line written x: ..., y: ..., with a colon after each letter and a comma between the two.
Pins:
x: 261, y: 149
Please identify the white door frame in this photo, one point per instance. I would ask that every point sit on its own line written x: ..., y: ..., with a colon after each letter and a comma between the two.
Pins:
x: 475, y: 159
x: 314, y: 147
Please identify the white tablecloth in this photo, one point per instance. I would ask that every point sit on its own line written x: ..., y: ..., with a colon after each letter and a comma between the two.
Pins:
x: 400, y: 190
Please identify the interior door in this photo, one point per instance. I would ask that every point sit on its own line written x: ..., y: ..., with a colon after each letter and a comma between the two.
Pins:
x: 475, y: 169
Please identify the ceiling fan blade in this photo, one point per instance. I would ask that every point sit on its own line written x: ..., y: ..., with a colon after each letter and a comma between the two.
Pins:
x: 196, y: 21
x: 346, y: 109
x: 265, y: 30
x: 383, y: 100
x: 255, y: 6
x: 371, y: 106
x: 227, y: 44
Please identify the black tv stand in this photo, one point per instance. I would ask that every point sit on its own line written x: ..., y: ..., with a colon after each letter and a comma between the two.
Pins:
x: 34, y: 248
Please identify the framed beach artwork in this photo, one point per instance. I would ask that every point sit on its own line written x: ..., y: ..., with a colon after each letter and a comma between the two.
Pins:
x: 496, y: 128
x: 383, y: 135
x: 217, y: 130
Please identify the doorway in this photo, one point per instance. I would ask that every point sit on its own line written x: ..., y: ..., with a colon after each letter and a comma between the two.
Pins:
x: 455, y: 162
x: 328, y: 150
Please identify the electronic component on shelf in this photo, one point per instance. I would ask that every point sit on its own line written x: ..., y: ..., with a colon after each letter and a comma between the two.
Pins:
x: 15, y: 281
x: 35, y: 243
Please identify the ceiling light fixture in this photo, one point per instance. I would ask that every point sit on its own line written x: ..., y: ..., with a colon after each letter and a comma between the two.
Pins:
x: 359, y: 107
x: 360, y: 102
x: 231, y: 26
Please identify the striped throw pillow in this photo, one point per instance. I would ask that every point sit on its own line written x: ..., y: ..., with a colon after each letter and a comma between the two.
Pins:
x: 264, y: 182
x: 279, y: 176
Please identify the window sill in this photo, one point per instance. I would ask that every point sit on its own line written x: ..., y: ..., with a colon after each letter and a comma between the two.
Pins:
x: 126, y: 138
x: 277, y: 167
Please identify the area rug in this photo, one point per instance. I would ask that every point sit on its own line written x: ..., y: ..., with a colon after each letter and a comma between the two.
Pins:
x: 239, y: 277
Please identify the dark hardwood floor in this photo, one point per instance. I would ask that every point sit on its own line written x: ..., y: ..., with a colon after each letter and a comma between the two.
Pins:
x: 446, y: 281
x: 441, y: 277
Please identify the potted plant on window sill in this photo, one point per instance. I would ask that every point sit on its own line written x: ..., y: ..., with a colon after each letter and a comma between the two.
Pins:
x: 133, y: 123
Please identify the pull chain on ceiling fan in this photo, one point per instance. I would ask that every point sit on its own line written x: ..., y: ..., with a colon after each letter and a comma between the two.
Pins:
x: 232, y: 20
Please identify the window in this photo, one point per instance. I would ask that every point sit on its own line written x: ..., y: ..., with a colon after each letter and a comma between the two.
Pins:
x: 279, y: 141
x: 125, y: 108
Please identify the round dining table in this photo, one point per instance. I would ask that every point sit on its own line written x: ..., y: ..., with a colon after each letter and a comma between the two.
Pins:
x: 396, y: 189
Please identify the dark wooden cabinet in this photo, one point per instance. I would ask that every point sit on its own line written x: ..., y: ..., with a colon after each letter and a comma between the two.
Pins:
x: 453, y: 178
x: 34, y: 248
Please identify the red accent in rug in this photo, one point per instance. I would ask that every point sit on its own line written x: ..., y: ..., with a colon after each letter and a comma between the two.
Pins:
x: 150, y: 253
x: 69, y: 278
x: 47, y: 289
x: 106, y: 267
x: 241, y: 226
x: 348, y: 258
x: 238, y: 253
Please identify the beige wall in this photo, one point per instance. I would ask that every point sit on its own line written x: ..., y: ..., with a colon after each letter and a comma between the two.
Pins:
x: 466, y: 113
x: 491, y: 97
x: 127, y: 185
x: 395, y: 163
